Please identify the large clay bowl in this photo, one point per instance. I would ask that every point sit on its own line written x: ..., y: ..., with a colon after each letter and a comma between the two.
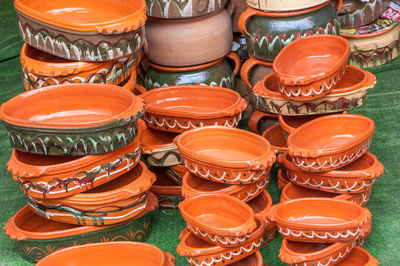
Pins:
x: 225, y: 155
x: 168, y: 193
x: 116, y: 201
x: 359, y: 256
x: 286, y: 5
x: 321, y: 220
x: 57, y: 120
x: 276, y: 138
x: 255, y: 259
x: 37, y: 237
x: 181, y: 108
x: 115, y: 253
x: 176, y: 173
x: 358, y: 13
x: 330, y: 142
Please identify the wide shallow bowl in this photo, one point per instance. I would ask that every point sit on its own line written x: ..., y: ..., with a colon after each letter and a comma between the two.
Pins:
x: 181, y: 108
x: 276, y: 138
x: 285, y: 5
x: 359, y: 256
x: 115, y: 253
x: 58, y: 120
x: 176, y: 173
x: 311, y: 67
x: 116, y: 201
x: 168, y: 193
x: 283, y: 180
x: 225, y: 155
x: 255, y: 259
x: 37, y: 237
x: 321, y: 220
x: 330, y: 142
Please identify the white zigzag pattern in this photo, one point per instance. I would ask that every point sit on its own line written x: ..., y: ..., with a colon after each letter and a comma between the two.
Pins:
x: 217, y: 239
x: 331, y: 259
x: 259, y: 187
x: 365, y: 199
x: 313, y: 234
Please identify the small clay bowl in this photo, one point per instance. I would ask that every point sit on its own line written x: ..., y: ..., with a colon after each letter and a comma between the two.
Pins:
x: 225, y: 155
x: 283, y: 180
x: 330, y: 142
x: 254, y: 259
x: 359, y: 256
x: 176, y: 173
x: 57, y: 120
x: 105, y: 254
x: 181, y: 108
x: 168, y: 193
x: 275, y: 136
x: 310, y: 67
x: 321, y: 220
x: 116, y: 201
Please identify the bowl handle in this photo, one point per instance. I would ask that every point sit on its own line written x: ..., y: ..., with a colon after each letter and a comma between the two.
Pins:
x: 243, y: 20
x: 235, y: 58
x: 255, y: 119
x: 139, y: 90
x: 247, y: 66
x: 338, y: 4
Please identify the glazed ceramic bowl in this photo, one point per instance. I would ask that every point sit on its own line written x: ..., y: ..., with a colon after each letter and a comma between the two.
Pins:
x: 255, y: 259
x: 254, y: 70
x: 260, y: 121
x: 116, y: 201
x: 286, y: 5
x: 225, y: 155
x: 275, y: 136
x: 37, y: 237
x: 330, y: 142
x: 57, y: 120
x: 104, y: 254
x: 358, y: 13
x: 321, y: 220
x: 359, y: 256
x: 181, y: 108
x: 168, y: 193
x: 176, y: 173
x: 283, y: 180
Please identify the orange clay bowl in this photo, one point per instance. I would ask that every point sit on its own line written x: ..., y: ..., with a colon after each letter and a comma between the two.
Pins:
x: 116, y: 201
x: 283, y: 180
x: 255, y: 259
x: 225, y: 155
x: 359, y: 257
x: 181, y: 108
x: 310, y: 67
x: 114, y: 253
x: 276, y: 138
x: 359, y: 176
x: 330, y: 142
x: 176, y: 173
x: 321, y: 220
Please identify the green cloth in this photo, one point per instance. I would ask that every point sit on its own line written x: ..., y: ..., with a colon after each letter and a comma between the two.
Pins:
x: 382, y: 105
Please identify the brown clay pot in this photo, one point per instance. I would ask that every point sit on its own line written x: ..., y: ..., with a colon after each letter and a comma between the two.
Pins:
x: 277, y: 139
x: 168, y: 193
x: 359, y: 256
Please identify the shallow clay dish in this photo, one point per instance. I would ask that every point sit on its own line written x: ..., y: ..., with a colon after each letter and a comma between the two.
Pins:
x: 168, y: 193
x: 330, y: 142
x: 176, y: 173
x: 359, y: 256
x: 276, y: 138
x: 283, y: 180
x: 225, y: 155
x: 181, y: 108
x: 57, y: 120
x: 255, y: 259
x: 321, y: 220
x: 311, y: 67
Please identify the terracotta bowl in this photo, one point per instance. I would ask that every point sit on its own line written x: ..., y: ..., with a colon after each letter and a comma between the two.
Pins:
x: 275, y: 136
x: 311, y: 67
x: 225, y: 155
x: 37, y: 237
x: 330, y: 142
x: 283, y: 180
x: 104, y: 254
x: 168, y: 193
x: 255, y: 259
x: 321, y: 220
x: 116, y: 201
x: 359, y: 256
x: 176, y: 173
x: 181, y: 108
x: 83, y: 31
x: 57, y: 120
x: 260, y: 121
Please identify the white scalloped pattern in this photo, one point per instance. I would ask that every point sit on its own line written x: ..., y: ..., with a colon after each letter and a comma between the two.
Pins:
x: 326, y: 235
x: 216, y: 239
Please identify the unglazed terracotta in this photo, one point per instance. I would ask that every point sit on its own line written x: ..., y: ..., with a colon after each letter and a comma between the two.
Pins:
x: 189, y: 42
x: 37, y: 237
x: 57, y: 120
x: 181, y: 108
x: 359, y: 256
x: 176, y: 173
x: 116, y: 201
x: 330, y: 142
x: 254, y: 70
x: 83, y: 31
x: 283, y: 180
x: 225, y: 155
x: 105, y: 254
x: 168, y: 193
x: 276, y: 138
x: 287, y: 5
x: 356, y: 13
x: 260, y: 121
x: 255, y: 259
x: 321, y: 220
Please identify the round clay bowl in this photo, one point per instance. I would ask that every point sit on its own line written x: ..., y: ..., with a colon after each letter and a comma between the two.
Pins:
x: 275, y: 136
x: 359, y: 256
x: 181, y: 108
x: 253, y: 260
x: 105, y: 254
x: 284, y: 6
x: 169, y: 194
x: 57, y: 120
x: 283, y: 180
x: 330, y: 142
x: 321, y: 220
x: 176, y: 173
x: 225, y: 155
x: 311, y: 67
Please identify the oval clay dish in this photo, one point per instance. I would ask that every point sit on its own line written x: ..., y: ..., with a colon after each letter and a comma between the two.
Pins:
x: 58, y: 120
x: 359, y: 256
x: 225, y: 155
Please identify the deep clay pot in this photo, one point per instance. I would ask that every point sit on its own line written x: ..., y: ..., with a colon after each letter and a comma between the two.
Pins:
x: 168, y: 193
x: 356, y: 13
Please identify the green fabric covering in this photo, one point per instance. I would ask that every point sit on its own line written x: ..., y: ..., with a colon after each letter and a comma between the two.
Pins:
x: 382, y: 105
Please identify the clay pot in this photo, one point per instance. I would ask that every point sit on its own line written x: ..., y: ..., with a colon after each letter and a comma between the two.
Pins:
x: 359, y: 256
x: 259, y: 121
x: 57, y: 120
x: 181, y: 108
x: 225, y: 155
x: 189, y: 42
x: 287, y: 5
x: 176, y: 173
x: 283, y: 180
x: 168, y: 193
x: 83, y: 31
x: 105, y: 254
x: 268, y: 32
x: 216, y: 73
x: 253, y: 260
x: 254, y: 70
x: 275, y: 136
x: 37, y: 237
x: 357, y: 13
x: 116, y: 201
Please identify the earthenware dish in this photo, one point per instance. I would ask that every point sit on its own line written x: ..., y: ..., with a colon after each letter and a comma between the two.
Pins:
x: 283, y: 180
x: 287, y: 5
x: 176, y: 173
x: 359, y: 256
x: 168, y: 193
x: 359, y: 13
x: 260, y: 121
x: 254, y: 70
x: 276, y: 138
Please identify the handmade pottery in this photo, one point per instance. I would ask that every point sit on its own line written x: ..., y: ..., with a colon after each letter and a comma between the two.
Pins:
x: 268, y: 32
x: 189, y: 42
x: 37, y: 237
x: 216, y: 73
x: 225, y: 155
x: 116, y: 201
x: 253, y: 260
x: 321, y: 220
x: 330, y: 142
x: 168, y: 193
x: 260, y: 121
x: 359, y: 256
x: 130, y: 84
x: 287, y: 5
x: 176, y: 173
x: 356, y: 13
x: 254, y: 70
x: 83, y: 31
x: 105, y: 254
x: 57, y: 120
x: 276, y: 138
x: 181, y: 108
x: 283, y: 180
